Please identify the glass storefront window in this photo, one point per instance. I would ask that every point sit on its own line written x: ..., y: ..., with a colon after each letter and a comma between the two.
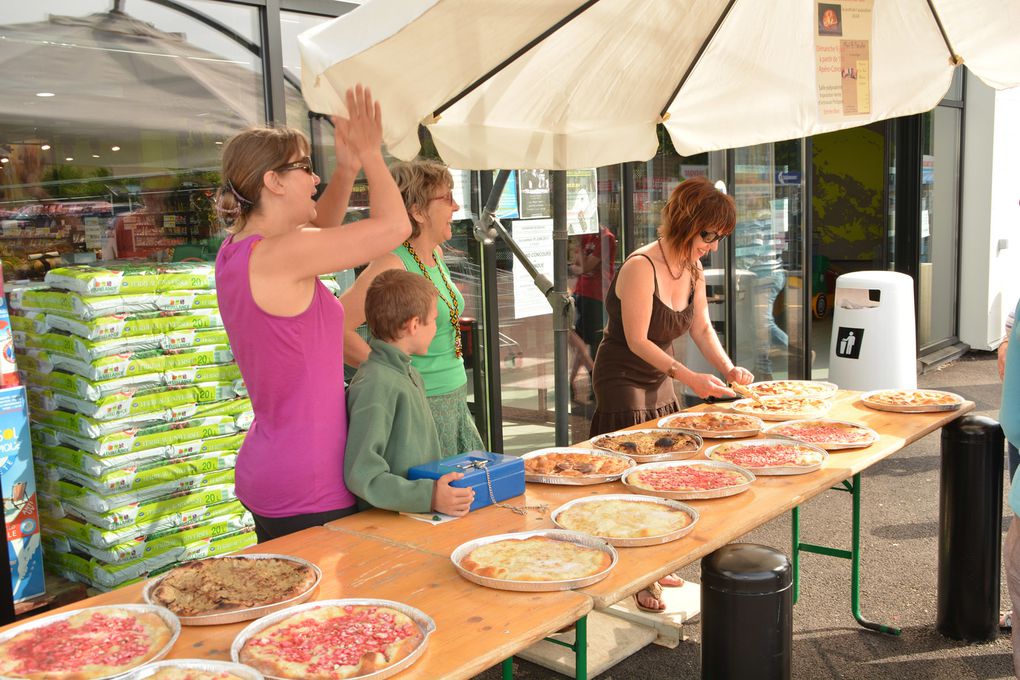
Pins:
x: 112, y: 127
x: 940, y: 184
x: 768, y: 190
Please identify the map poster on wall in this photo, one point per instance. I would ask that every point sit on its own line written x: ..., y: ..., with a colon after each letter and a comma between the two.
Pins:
x: 535, y: 239
x: 843, y: 58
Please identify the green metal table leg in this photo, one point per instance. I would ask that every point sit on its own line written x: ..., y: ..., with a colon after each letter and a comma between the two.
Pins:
x: 580, y: 648
x: 855, y: 566
x: 854, y: 555
x: 508, y: 668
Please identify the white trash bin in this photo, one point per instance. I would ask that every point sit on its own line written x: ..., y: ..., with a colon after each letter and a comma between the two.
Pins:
x: 873, y: 344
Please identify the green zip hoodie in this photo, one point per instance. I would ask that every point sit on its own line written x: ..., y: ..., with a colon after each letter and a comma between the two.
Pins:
x: 389, y: 429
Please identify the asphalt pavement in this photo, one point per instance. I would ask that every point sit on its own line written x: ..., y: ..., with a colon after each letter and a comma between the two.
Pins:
x: 899, y: 537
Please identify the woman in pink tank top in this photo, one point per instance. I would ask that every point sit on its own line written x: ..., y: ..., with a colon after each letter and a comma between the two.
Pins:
x: 285, y: 327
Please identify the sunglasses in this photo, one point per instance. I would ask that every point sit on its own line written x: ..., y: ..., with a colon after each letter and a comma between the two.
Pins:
x: 304, y: 164
x: 711, y: 236
x: 445, y: 198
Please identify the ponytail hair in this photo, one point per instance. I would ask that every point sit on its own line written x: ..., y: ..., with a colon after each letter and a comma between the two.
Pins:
x: 247, y: 156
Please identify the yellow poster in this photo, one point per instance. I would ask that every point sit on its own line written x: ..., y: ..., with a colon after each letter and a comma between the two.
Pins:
x: 843, y: 58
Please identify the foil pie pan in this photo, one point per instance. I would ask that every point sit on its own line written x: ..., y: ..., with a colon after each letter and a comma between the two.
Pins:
x: 248, y: 613
x: 576, y: 481
x: 694, y: 494
x: 168, y: 617
x: 778, y: 469
x: 207, y: 665
x: 912, y: 408
x: 644, y: 540
x: 745, y: 406
x: 825, y: 390
x: 770, y: 431
x: 424, y: 622
x: 536, y: 586
x: 678, y: 454
x: 676, y: 422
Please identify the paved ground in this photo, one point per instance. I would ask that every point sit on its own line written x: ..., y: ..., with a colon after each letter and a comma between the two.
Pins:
x: 900, y: 539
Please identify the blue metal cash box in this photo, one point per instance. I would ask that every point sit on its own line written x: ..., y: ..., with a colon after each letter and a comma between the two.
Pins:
x: 506, y: 473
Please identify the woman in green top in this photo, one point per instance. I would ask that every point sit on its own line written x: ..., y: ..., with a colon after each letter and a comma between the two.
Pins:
x: 427, y: 188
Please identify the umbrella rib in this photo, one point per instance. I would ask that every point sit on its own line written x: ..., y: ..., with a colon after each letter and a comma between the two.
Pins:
x: 513, y: 57
x: 697, y: 57
x: 954, y: 58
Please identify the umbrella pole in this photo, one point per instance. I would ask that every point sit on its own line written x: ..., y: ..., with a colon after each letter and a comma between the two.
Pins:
x: 488, y: 228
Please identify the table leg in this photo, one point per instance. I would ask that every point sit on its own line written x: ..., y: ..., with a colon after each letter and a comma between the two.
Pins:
x: 508, y: 668
x: 854, y: 555
x: 580, y: 648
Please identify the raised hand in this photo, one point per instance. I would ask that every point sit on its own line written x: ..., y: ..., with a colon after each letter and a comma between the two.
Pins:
x: 363, y: 129
x: 346, y: 158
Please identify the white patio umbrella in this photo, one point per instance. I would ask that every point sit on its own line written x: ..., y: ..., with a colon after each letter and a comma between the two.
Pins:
x: 562, y: 84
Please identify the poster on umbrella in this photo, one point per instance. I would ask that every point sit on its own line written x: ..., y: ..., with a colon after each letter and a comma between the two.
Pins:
x: 843, y: 58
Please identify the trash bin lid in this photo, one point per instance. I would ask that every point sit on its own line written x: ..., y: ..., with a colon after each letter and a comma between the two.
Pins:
x: 746, y: 568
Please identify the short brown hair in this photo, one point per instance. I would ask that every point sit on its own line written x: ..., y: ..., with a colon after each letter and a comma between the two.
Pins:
x: 394, y: 298
x: 695, y: 206
x: 248, y: 156
x: 417, y: 180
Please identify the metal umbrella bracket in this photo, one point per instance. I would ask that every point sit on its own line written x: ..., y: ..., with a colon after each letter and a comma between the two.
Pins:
x: 487, y: 229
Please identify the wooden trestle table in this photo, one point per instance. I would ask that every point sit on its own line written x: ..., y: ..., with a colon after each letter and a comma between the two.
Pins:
x: 476, y: 627
x: 384, y: 555
x: 722, y: 521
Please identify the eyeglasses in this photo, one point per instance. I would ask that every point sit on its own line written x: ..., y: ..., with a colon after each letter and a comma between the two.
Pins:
x: 445, y: 198
x: 711, y: 236
x: 304, y: 164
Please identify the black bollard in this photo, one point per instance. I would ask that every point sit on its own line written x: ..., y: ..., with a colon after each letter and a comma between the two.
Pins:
x: 970, y: 529
x: 746, y: 614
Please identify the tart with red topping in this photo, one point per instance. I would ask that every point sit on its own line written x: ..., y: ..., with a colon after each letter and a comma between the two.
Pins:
x: 332, y: 642
x: 827, y: 434
x: 93, y: 643
x: 689, y: 477
x: 770, y: 456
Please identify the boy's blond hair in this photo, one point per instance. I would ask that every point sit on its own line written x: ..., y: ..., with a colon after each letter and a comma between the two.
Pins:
x: 394, y: 298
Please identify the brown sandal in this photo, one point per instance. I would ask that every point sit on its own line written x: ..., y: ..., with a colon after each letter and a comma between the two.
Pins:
x: 655, y: 590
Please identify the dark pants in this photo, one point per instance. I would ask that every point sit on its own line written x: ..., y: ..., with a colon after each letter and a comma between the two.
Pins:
x: 1014, y: 459
x: 267, y: 528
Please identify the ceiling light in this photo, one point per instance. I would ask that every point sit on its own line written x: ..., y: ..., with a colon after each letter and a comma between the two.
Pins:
x: 219, y: 142
x: 68, y: 159
x: 45, y: 94
x: 114, y: 148
x: 45, y: 147
x: 95, y: 155
x: 5, y: 160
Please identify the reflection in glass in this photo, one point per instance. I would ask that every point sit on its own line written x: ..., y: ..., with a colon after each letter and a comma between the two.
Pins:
x: 122, y: 157
x: 936, y: 285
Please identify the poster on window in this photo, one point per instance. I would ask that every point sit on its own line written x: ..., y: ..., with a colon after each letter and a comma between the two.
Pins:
x: 843, y: 58
x: 508, y: 207
x: 535, y: 195
x: 582, y: 202
x: 535, y: 239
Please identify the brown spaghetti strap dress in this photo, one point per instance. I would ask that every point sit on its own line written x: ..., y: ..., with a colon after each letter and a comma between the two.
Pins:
x: 629, y: 390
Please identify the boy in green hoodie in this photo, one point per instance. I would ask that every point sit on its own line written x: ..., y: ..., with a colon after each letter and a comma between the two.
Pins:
x: 389, y: 425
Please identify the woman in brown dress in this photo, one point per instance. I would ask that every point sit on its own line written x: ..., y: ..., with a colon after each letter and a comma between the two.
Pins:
x: 657, y: 296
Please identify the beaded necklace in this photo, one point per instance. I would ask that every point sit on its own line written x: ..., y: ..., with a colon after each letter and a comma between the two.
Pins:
x: 451, y: 304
